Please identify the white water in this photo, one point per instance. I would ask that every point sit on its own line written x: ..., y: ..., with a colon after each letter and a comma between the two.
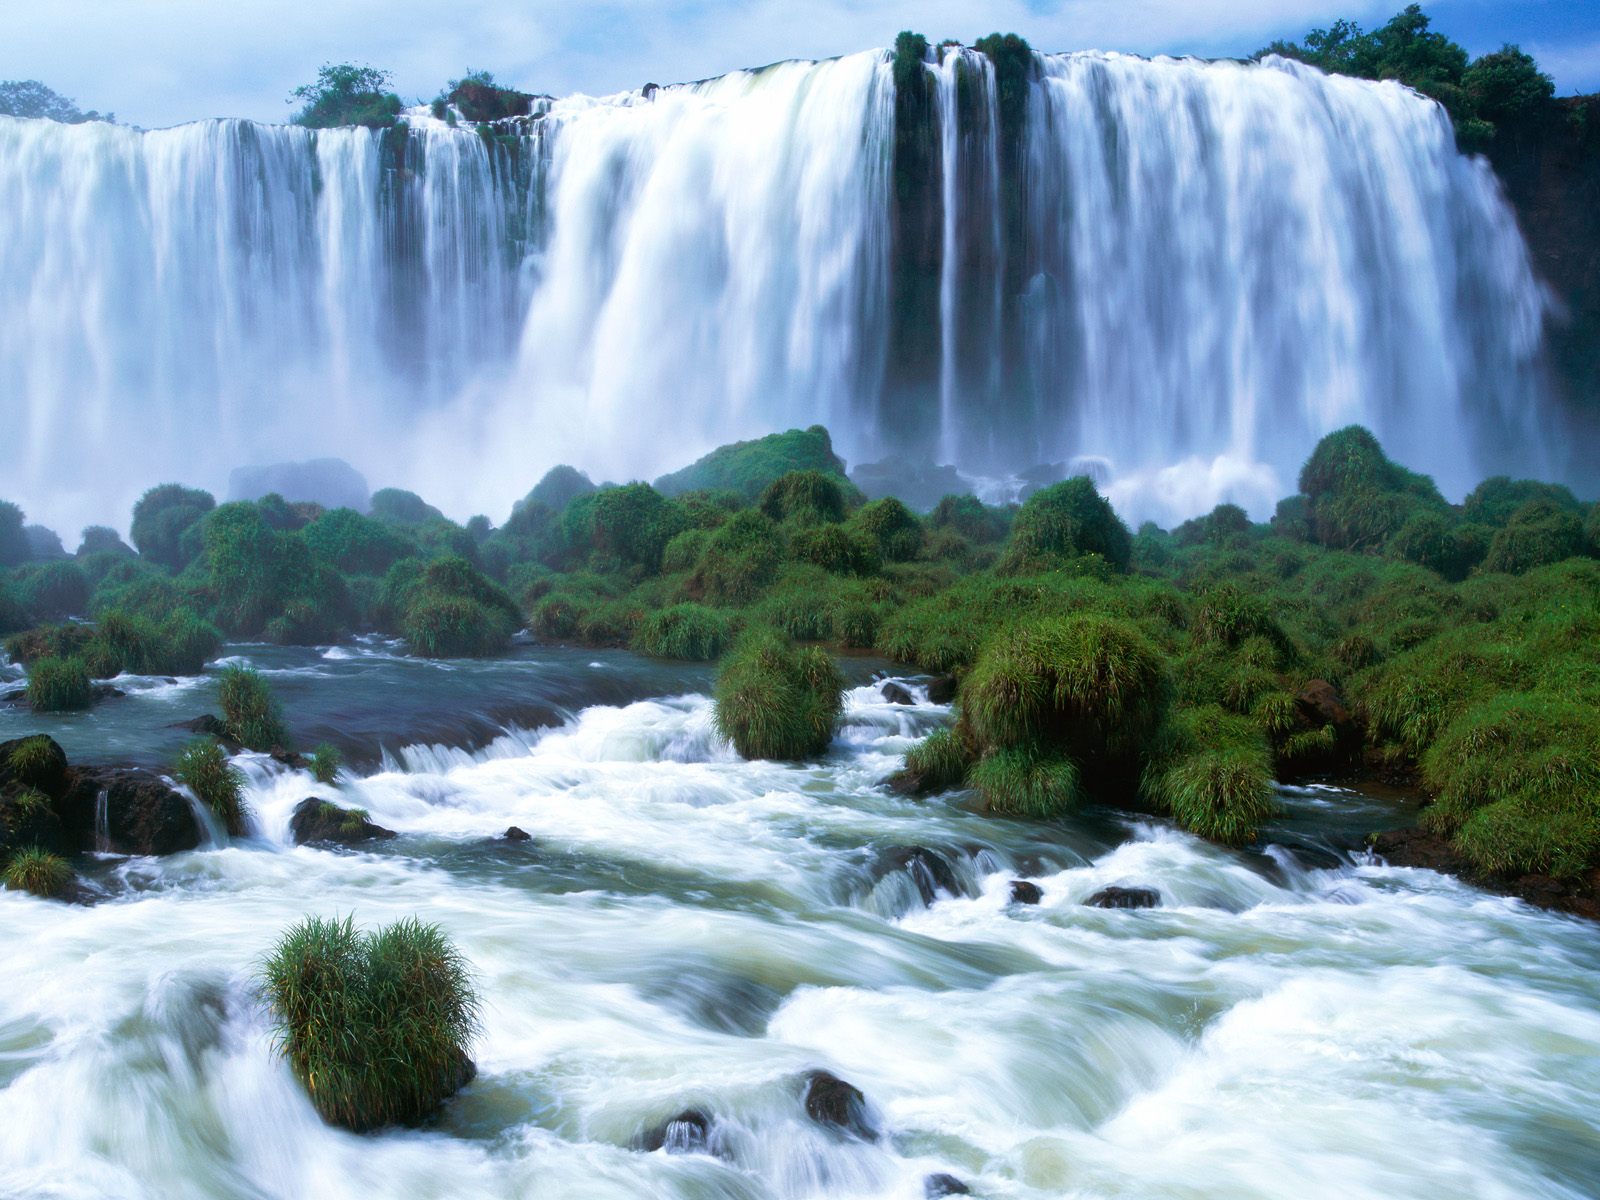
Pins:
x: 688, y: 930
x: 1220, y: 263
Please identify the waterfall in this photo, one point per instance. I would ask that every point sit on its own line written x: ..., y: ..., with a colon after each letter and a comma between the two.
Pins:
x: 102, y: 822
x: 1187, y: 270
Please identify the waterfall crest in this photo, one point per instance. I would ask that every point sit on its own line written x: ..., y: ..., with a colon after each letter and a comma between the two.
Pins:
x: 1186, y: 270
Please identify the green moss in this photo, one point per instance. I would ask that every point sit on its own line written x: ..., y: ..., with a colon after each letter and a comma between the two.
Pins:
x: 38, y: 872
x: 59, y: 685
x: 748, y: 467
x: 203, y: 768
x: 377, y: 1026
x: 775, y: 700
x: 1025, y: 783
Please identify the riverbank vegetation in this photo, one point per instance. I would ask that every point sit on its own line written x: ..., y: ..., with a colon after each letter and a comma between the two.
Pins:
x: 1369, y: 629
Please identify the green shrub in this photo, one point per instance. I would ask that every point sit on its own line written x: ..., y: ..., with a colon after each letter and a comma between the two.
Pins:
x: 804, y: 496
x: 1213, y: 773
x: 835, y: 549
x: 14, y: 615
x: 1023, y: 782
x: 53, y: 589
x: 1516, y: 780
x: 101, y: 539
x: 161, y: 518
x: 377, y: 1026
x: 1494, y: 501
x: 250, y: 712
x: 14, y: 547
x: 204, y: 769
x: 889, y: 526
x: 775, y: 700
x: 35, y: 761
x: 739, y: 561
x: 122, y: 643
x: 1090, y: 686
x: 940, y: 760
x: 59, y: 685
x: 345, y: 94
x: 560, y: 486
x: 400, y: 507
x: 690, y: 632
x: 37, y: 871
x: 1066, y: 520
x: 355, y: 544
x: 1537, y: 534
x: 971, y: 518
x: 1228, y: 615
x: 630, y: 525
x: 325, y: 763
x: 748, y: 467
x: 438, y: 626
x: 684, y: 551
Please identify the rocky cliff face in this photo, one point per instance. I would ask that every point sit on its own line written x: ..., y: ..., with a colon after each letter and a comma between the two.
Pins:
x: 1551, y: 171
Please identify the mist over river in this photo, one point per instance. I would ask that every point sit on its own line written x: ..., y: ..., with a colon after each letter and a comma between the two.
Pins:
x: 687, y: 930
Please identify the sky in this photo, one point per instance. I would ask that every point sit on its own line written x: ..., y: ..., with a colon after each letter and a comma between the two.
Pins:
x: 161, y: 62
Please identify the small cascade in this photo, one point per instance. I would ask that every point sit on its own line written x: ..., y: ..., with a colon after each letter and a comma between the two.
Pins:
x: 102, y: 822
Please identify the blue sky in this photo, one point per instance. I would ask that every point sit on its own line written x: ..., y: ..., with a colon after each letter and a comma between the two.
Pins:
x: 158, y: 62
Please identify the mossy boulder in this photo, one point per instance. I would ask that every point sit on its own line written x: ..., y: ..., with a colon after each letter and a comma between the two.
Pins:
x: 321, y: 821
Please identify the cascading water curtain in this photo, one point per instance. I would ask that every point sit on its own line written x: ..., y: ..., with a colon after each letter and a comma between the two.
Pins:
x: 1179, y: 272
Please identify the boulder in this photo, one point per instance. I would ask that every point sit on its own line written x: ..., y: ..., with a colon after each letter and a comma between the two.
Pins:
x: 687, y: 1133
x: 1023, y: 892
x: 26, y: 820
x: 330, y: 482
x: 931, y: 871
x: 897, y: 693
x: 47, y: 772
x: 207, y: 724
x: 1125, y: 897
x: 516, y: 834
x: 833, y: 1102
x: 941, y: 689
x: 142, y: 815
x: 317, y: 820
x: 1320, y: 704
x: 941, y: 1184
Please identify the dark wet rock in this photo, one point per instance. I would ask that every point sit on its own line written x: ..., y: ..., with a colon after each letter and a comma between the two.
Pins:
x: 1578, y: 894
x: 1023, y: 892
x: 930, y: 870
x: 516, y: 834
x: 207, y: 724
x: 317, y: 820
x: 142, y: 814
x: 1125, y: 897
x: 897, y: 693
x: 1320, y: 704
x: 832, y: 1101
x: 941, y: 689
x: 28, y: 819
x: 941, y: 1184
x: 48, y: 773
x: 687, y: 1133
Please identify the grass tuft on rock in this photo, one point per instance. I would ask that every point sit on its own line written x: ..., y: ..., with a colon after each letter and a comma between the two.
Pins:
x: 378, y: 1026
x: 1212, y: 772
x: 325, y: 762
x: 57, y: 685
x: 690, y: 632
x: 250, y: 711
x: 203, y: 767
x: 39, y: 873
x: 1023, y: 782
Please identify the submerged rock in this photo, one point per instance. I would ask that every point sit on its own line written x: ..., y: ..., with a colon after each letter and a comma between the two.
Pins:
x: 941, y: 689
x: 832, y: 1101
x: 1023, y: 892
x: 317, y: 820
x: 125, y: 812
x: 1125, y: 897
x: 941, y: 1184
x: 897, y: 693
x: 687, y: 1133
x: 931, y: 871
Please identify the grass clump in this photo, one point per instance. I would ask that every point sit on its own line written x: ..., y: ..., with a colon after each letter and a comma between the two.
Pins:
x: 776, y: 700
x: 203, y: 768
x: 1212, y: 772
x: 39, y: 873
x: 250, y: 712
x: 1023, y: 782
x: 1066, y: 520
x: 325, y: 762
x: 940, y: 761
x: 377, y: 1026
x: 691, y: 632
x: 57, y: 685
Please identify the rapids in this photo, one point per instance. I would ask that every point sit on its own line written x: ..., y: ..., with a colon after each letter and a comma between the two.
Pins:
x: 687, y: 930
x: 1190, y: 272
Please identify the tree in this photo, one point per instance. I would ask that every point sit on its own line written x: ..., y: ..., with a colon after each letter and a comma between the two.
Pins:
x: 345, y: 94
x: 1507, y: 86
x: 30, y: 98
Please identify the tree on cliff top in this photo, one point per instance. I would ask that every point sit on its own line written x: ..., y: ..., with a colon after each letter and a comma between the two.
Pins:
x: 345, y: 94
x: 30, y: 98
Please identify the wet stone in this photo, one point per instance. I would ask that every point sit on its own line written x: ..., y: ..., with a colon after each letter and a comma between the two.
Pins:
x: 1125, y: 897
x: 941, y: 1184
x: 1023, y: 892
x: 832, y: 1101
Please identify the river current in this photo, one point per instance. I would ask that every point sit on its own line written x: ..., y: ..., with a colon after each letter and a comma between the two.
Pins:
x: 685, y: 930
